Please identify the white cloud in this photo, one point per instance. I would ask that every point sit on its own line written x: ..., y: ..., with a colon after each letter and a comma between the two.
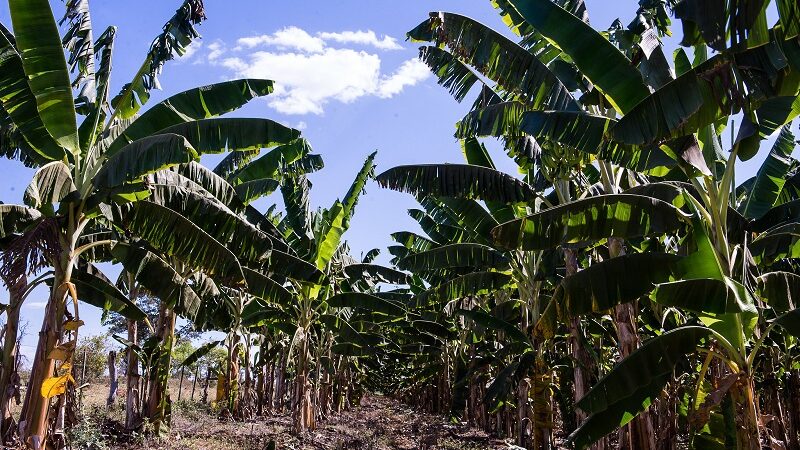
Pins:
x: 216, y: 50
x: 309, y: 74
x: 292, y: 38
x: 190, y: 51
x: 297, y: 39
x: 235, y: 64
x: 409, y: 73
x: 362, y: 38
x: 301, y: 125
x: 305, y: 83
x: 35, y: 305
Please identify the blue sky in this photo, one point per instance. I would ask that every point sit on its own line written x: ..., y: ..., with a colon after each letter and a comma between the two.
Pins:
x: 346, y: 77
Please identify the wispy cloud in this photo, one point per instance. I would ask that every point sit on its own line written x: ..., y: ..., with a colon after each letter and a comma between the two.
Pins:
x: 215, y: 50
x: 309, y: 73
x: 368, y: 38
x: 410, y: 73
x: 35, y: 305
x: 290, y: 38
x: 191, y: 51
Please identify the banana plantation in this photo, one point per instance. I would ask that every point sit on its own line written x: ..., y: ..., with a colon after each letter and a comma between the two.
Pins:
x: 630, y: 285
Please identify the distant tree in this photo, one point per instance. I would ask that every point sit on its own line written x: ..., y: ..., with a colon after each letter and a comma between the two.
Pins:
x: 118, y: 324
x: 96, y: 350
x: 214, y: 358
x: 182, y: 349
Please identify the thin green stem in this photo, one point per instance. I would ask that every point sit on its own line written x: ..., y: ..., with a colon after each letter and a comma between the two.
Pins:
x: 757, y: 346
x: 78, y: 251
x: 701, y: 375
x: 732, y: 352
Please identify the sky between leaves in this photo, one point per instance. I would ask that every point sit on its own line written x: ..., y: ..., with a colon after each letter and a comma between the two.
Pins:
x: 344, y: 75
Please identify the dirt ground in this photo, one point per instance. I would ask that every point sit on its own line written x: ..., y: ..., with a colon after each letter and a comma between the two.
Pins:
x: 379, y: 423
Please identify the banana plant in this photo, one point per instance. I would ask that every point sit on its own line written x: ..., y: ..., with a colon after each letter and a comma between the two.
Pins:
x: 709, y: 273
x: 534, y: 79
x: 617, y: 89
x: 189, y: 293
x: 316, y: 238
x: 460, y: 262
x: 91, y: 177
x: 707, y: 199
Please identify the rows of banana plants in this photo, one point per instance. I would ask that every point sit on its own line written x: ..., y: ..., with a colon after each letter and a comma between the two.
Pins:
x: 119, y: 183
x: 623, y: 289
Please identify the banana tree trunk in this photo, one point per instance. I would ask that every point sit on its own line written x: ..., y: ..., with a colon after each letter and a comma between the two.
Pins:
x: 247, y: 404
x: 34, y: 415
x: 132, y: 378
x: 303, y: 409
x: 316, y: 391
x: 539, y: 397
x: 269, y: 387
x: 8, y: 388
x: 639, y: 433
x: 793, y: 398
x: 541, y: 403
x: 772, y: 402
x: 260, y: 388
x: 204, y: 399
x: 748, y: 427
x: 232, y: 387
x: 523, y: 393
x: 158, y: 401
x: 582, y: 361
x: 133, y: 420
x: 325, y: 388
x: 280, y: 382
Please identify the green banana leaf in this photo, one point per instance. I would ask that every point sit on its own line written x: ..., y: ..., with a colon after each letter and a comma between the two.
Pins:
x: 249, y: 243
x: 770, y: 178
x: 365, y: 301
x: 19, y: 103
x: 97, y: 291
x: 158, y: 277
x: 512, y: 67
x: 489, y: 321
x: 175, y: 235
x: 270, y: 165
x: 376, y: 272
x: 16, y: 219
x: 781, y: 290
x: 452, y: 74
x: 591, y: 219
x: 597, y: 58
x: 632, y: 384
x: 471, y: 284
x: 457, y: 180
x: 265, y: 288
x: 455, y: 255
x: 201, y: 351
x: 50, y: 184
x: 228, y: 134
x: 194, y: 104
x: 145, y: 156
x: 46, y: 68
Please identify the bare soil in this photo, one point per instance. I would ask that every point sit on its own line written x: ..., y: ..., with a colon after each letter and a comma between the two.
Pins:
x: 379, y: 423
